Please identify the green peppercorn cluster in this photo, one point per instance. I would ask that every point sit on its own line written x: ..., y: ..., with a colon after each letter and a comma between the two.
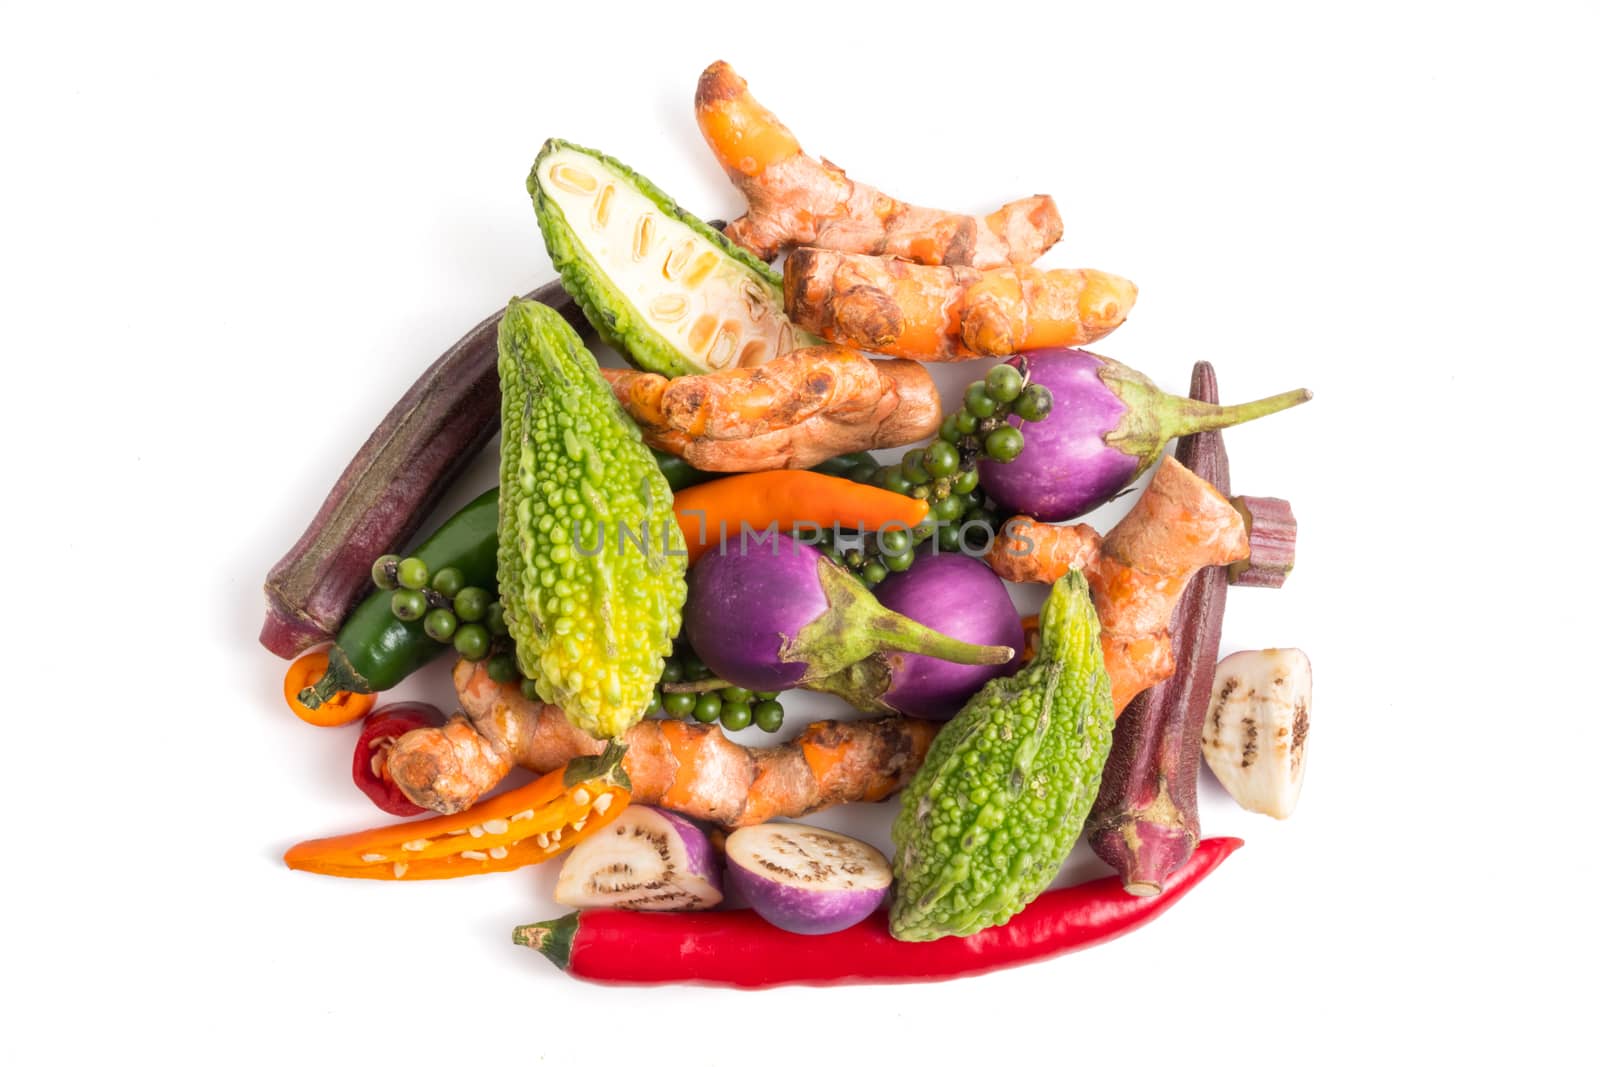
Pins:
x: 688, y: 689
x: 452, y: 612
x: 474, y: 622
x: 945, y: 474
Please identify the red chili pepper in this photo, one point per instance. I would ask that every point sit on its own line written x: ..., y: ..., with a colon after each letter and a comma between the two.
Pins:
x: 371, y: 765
x: 738, y: 948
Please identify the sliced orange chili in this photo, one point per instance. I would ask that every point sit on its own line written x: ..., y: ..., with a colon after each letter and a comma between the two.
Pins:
x: 1030, y: 637
x: 793, y: 501
x: 523, y: 826
x: 338, y: 709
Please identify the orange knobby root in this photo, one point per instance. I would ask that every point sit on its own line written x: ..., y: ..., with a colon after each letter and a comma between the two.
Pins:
x: 1029, y: 551
x: 797, y: 200
x: 948, y: 313
x: 688, y: 767
x: 795, y: 411
x: 1137, y: 571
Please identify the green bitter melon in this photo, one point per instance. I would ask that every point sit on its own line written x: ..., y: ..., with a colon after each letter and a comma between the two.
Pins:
x: 667, y: 291
x: 990, y: 817
x: 590, y: 558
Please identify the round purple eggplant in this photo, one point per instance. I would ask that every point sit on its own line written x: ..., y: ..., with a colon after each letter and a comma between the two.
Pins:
x: 804, y: 879
x: 966, y: 600
x: 1108, y: 424
x: 781, y: 615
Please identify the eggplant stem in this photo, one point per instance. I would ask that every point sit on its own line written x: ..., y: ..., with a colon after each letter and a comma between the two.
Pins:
x: 903, y: 634
x: 1195, y: 416
x: 855, y: 626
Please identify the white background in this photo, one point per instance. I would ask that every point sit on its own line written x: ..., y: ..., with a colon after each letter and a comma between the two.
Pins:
x: 231, y: 240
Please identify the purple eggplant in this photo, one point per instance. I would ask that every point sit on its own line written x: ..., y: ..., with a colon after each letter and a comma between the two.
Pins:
x: 966, y: 600
x: 781, y: 614
x: 1108, y: 424
x: 805, y: 879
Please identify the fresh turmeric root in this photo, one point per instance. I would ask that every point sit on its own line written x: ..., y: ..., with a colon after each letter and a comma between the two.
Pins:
x: 797, y: 200
x: 795, y: 411
x: 1137, y: 571
x: 688, y: 767
x: 946, y: 313
x: 1029, y: 551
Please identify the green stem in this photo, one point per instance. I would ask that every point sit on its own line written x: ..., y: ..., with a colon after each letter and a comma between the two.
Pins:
x: 704, y: 685
x: 855, y: 626
x: 902, y: 634
x: 340, y: 677
x: 553, y: 938
x: 606, y: 766
x: 1154, y: 417
x: 861, y: 685
x: 1183, y: 416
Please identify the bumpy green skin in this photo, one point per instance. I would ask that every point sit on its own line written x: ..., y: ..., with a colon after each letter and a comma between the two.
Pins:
x: 989, y: 819
x: 613, y: 314
x: 592, y: 629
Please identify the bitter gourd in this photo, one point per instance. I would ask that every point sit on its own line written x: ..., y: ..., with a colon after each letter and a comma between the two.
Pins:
x: 987, y: 821
x: 590, y: 557
x: 667, y: 291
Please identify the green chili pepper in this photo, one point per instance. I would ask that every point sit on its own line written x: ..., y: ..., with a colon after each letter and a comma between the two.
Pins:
x: 374, y: 650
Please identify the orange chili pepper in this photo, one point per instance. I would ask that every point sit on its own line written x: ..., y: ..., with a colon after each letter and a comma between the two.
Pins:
x: 516, y: 828
x: 1030, y: 637
x: 792, y: 500
x: 339, y: 709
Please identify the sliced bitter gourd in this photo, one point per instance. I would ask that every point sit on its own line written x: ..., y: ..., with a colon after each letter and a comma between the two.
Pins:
x: 667, y: 291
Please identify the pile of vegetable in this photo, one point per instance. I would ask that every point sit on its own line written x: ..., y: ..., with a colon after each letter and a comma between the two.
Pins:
x: 672, y: 547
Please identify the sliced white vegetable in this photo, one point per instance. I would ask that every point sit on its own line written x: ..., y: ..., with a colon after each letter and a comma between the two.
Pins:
x: 1254, y: 737
x: 715, y: 311
x: 646, y: 860
x: 805, y: 879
